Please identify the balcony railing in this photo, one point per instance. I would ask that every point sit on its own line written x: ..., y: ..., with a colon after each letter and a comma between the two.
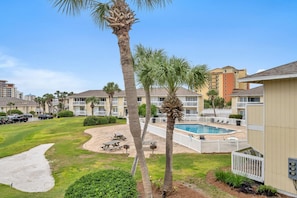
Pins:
x: 190, y: 103
x: 248, y: 165
x: 243, y: 104
x: 99, y: 113
x: 80, y: 113
x: 79, y: 102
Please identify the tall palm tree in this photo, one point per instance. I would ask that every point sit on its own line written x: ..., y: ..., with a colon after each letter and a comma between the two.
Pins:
x: 118, y: 16
x: 145, y: 59
x: 213, y: 94
x: 172, y: 74
x: 10, y: 104
x: 110, y: 89
x: 93, y: 100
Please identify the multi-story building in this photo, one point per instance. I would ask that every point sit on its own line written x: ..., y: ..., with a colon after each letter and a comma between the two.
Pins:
x: 240, y: 99
x: 25, y: 106
x: 272, y: 131
x: 224, y: 80
x: 192, y: 102
x: 9, y: 90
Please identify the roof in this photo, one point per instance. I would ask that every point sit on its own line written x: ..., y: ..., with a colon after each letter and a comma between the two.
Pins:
x: 257, y: 91
x: 140, y: 92
x: 17, y: 102
x: 281, y: 72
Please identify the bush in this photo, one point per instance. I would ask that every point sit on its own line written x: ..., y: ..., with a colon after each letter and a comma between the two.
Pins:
x: 235, y: 116
x: 105, y: 183
x: 65, y: 113
x: 112, y: 119
x: 232, y: 179
x: 32, y: 112
x: 2, y: 114
x: 95, y: 120
x: 266, y: 190
x: 91, y: 120
x: 14, y: 111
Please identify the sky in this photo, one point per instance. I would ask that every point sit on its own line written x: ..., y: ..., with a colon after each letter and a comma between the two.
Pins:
x: 44, y: 51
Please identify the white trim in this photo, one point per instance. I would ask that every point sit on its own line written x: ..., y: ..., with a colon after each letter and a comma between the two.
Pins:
x: 273, y: 77
x: 256, y: 127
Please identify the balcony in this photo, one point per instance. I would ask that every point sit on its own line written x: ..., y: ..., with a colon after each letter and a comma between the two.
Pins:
x: 190, y: 103
x: 99, y: 113
x: 80, y: 113
x: 242, y: 105
x: 79, y: 103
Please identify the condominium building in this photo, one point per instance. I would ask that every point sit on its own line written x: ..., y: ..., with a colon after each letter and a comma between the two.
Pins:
x: 224, y: 81
x: 272, y: 131
x: 9, y: 90
x: 192, y: 102
x: 241, y: 98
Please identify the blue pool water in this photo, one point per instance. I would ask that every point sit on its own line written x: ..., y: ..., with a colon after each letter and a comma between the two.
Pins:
x: 201, y: 129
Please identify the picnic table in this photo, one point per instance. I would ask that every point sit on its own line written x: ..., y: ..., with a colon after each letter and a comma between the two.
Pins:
x: 114, y: 143
x: 119, y: 136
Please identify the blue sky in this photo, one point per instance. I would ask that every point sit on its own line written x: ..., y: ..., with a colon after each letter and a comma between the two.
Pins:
x: 42, y: 50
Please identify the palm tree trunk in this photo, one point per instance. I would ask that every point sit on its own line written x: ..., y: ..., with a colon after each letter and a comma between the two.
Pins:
x: 147, y: 119
x: 130, y: 88
x: 167, y: 188
x: 110, y: 105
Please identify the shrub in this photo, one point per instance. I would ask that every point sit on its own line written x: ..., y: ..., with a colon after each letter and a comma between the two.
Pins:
x: 232, y: 179
x: 103, y: 120
x: 2, y: 114
x: 91, y: 120
x: 266, y: 190
x: 235, y: 116
x: 32, y: 112
x: 14, y: 111
x: 112, y: 119
x: 65, y: 113
x: 105, y: 183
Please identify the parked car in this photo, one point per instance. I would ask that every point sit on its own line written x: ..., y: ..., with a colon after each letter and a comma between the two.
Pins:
x: 3, y: 120
x: 45, y: 116
x: 28, y: 115
x: 17, y: 118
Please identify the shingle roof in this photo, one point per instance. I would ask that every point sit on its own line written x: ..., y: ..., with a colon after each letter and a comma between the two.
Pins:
x: 140, y: 92
x: 257, y: 91
x: 18, y: 102
x: 281, y: 72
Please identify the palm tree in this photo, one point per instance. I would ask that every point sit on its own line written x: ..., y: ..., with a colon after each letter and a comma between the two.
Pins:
x: 110, y: 89
x: 48, y: 98
x: 212, y: 94
x: 172, y: 74
x: 118, y: 16
x: 10, y: 104
x: 93, y: 100
x: 145, y: 59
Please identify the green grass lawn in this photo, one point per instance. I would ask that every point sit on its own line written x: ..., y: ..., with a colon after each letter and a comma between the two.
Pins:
x: 69, y: 161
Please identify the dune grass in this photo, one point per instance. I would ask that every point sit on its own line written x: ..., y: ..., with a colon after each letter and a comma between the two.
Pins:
x: 69, y: 161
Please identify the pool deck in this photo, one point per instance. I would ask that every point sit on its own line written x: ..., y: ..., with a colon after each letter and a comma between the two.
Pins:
x: 238, y: 132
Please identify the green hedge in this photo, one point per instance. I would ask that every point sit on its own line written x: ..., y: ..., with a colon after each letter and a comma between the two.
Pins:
x: 2, y: 114
x: 235, y: 116
x: 65, y: 113
x: 105, y: 183
x: 14, y: 111
x: 96, y: 120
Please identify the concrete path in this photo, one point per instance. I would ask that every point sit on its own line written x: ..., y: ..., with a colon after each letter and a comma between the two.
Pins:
x: 28, y: 171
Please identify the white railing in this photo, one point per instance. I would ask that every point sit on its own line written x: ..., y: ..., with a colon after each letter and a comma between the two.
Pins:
x: 79, y: 102
x: 201, y: 146
x: 190, y: 103
x: 80, y: 113
x: 248, y: 166
x: 99, y: 113
x: 243, y: 104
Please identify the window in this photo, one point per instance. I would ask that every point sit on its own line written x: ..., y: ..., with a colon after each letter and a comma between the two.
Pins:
x: 161, y: 99
x: 139, y: 99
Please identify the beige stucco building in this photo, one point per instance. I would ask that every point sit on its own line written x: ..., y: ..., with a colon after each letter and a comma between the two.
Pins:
x: 241, y: 98
x: 272, y: 130
x: 25, y: 106
x: 192, y: 102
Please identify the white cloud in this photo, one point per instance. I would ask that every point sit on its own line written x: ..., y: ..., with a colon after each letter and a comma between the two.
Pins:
x: 7, y: 61
x: 42, y: 81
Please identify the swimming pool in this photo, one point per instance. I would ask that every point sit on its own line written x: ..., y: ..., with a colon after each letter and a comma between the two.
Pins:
x: 202, y: 129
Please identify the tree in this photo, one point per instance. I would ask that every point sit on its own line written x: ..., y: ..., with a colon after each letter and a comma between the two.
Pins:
x: 10, y: 104
x: 48, y: 98
x: 172, y: 74
x: 40, y: 101
x: 145, y: 60
x: 93, y: 100
x: 110, y: 89
x: 212, y: 94
x: 118, y: 16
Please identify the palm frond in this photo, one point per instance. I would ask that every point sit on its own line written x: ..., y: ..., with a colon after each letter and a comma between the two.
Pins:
x: 99, y: 13
x: 71, y: 7
x: 150, y: 4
